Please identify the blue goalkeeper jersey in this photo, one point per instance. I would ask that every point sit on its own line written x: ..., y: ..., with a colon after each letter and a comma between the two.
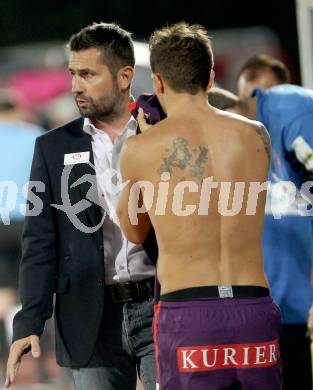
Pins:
x: 287, y: 112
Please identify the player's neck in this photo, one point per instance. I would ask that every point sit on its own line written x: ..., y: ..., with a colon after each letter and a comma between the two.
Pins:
x: 178, y: 103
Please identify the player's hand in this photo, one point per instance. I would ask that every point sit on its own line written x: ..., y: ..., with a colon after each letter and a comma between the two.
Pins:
x: 17, y: 350
x: 310, y: 319
x: 141, y: 119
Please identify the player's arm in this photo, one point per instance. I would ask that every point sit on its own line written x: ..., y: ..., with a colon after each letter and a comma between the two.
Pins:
x: 134, y: 221
x: 298, y: 139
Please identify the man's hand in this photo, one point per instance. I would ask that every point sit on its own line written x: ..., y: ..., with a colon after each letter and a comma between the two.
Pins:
x: 18, y: 348
x: 141, y: 119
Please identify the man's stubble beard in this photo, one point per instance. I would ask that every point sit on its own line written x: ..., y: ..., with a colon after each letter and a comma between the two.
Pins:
x: 106, y: 108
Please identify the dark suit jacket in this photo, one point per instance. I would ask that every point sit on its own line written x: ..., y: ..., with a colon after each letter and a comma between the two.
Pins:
x: 59, y: 258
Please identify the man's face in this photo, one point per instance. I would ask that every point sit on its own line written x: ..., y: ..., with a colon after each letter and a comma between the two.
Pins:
x: 264, y: 80
x: 96, y: 91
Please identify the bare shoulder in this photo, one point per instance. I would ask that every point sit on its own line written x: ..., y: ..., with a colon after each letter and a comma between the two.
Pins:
x: 129, y: 145
x: 131, y: 142
x: 262, y: 132
x: 135, y: 151
x: 250, y: 131
x: 236, y: 121
x: 129, y: 150
x: 130, y: 160
x: 146, y: 141
x: 154, y: 129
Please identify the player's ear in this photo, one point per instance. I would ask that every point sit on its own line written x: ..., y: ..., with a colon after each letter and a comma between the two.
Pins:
x: 158, y: 83
x: 211, y: 79
x: 124, y: 77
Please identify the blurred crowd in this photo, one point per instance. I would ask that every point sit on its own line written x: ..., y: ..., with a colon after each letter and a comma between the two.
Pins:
x: 29, y: 105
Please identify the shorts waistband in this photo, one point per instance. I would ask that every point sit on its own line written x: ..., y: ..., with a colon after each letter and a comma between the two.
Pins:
x: 216, y: 292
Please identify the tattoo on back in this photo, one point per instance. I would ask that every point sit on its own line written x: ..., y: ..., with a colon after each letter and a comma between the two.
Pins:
x: 261, y: 130
x: 181, y: 157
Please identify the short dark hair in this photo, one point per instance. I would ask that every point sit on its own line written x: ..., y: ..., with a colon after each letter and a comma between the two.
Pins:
x: 257, y: 64
x: 222, y: 99
x: 114, y: 42
x: 182, y: 54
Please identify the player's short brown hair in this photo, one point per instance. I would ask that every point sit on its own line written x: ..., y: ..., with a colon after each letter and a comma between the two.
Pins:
x: 257, y: 64
x: 182, y: 55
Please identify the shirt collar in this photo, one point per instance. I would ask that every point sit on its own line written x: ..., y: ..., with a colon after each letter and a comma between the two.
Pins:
x: 131, y: 127
x: 259, y: 95
x: 257, y: 92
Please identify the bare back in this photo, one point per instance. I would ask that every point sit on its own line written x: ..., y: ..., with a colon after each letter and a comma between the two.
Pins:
x: 208, y: 233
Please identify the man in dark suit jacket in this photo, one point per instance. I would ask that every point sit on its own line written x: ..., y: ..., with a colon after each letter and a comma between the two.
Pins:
x: 72, y: 245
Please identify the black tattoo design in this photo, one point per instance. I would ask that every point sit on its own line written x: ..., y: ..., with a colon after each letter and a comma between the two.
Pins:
x: 197, y: 168
x: 181, y: 158
x: 261, y: 130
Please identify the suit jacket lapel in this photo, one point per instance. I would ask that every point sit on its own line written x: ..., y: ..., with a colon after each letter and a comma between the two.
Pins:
x: 85, y: 174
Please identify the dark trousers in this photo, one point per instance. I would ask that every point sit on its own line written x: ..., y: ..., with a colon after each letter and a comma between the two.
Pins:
x: 296, y: 357
x: 10, y: 253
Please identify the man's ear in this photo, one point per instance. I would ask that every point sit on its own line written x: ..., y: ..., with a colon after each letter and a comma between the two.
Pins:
x: 158, y: 83
x: 124, y: 77
x: 211, y: 79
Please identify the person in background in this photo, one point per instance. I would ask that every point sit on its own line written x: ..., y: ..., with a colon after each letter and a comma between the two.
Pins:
x: 17, y: 141
x: 221, y: 98
x: 261, y: 71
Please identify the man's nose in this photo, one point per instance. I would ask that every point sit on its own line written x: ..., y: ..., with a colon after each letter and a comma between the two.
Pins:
x: 77, y: 86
